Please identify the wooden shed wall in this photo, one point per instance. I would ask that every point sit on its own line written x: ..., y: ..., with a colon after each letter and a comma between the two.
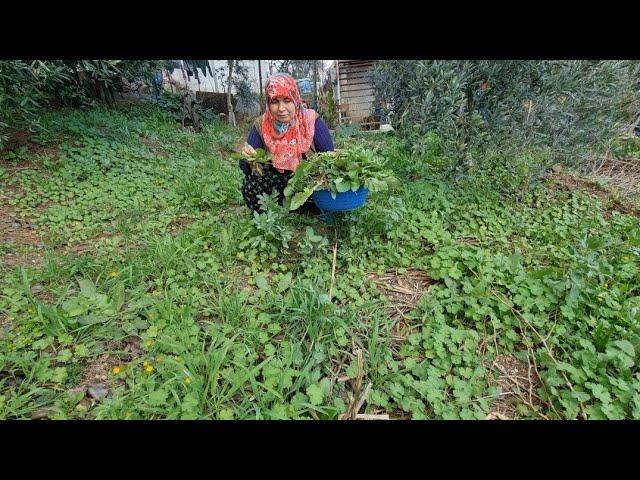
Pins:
x: 356, y: 90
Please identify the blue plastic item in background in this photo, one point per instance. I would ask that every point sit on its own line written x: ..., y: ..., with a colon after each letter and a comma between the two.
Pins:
x: 304, y: 84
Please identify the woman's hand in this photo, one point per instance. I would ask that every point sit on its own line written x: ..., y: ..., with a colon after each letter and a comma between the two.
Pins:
x: 248, y: 150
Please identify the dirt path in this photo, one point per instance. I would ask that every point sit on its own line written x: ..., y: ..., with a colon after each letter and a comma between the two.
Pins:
x: 18, y: 236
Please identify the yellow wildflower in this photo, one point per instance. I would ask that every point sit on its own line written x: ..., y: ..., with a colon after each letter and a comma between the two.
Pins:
x: 113, y: 274
x: 116, y: 370
x: 149, y: 368
x: 187, y: 380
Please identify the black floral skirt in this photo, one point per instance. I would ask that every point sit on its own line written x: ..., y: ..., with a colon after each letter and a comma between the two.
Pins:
x: 270, y: 181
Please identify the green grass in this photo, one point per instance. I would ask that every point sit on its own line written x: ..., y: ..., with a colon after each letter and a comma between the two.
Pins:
x: 152, y: 264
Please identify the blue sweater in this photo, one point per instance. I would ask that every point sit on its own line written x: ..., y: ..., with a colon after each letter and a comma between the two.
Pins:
x: 322, y: 141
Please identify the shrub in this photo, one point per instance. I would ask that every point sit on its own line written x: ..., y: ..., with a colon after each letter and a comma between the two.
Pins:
x: 573, y: 109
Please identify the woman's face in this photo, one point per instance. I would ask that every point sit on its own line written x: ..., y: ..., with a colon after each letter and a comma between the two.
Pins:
x: 282, y: 108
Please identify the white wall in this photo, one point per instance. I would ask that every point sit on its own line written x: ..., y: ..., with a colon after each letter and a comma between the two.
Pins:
x: 221, y: 72
x: 180, y: 79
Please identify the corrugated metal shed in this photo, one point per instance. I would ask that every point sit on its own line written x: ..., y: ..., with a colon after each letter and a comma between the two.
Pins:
x: 355, y: 92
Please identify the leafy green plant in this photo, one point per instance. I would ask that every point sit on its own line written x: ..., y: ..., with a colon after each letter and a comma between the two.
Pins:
x: 312, y: 242
x: 339, y: 171
x: 347, y: 131
x: 204, y: 192
x: 89, y: 306
x: 169, y: 101
x: 271, y: 231
x: 328, y: 108
x: 257, y: 161
x: 628, y: 148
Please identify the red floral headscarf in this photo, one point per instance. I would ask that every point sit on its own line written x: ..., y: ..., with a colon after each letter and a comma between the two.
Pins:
x: 287, y: 148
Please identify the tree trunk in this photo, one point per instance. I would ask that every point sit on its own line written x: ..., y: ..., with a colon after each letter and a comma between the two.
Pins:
x: 232, y: 117
x: 260, y: 86
x: 315, y: 85
x: 112, y: 95
x: 636, y: 126
x: 101, y: 92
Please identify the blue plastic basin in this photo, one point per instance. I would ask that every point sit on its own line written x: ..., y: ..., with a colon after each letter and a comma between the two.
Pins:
x: 344, y: 201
